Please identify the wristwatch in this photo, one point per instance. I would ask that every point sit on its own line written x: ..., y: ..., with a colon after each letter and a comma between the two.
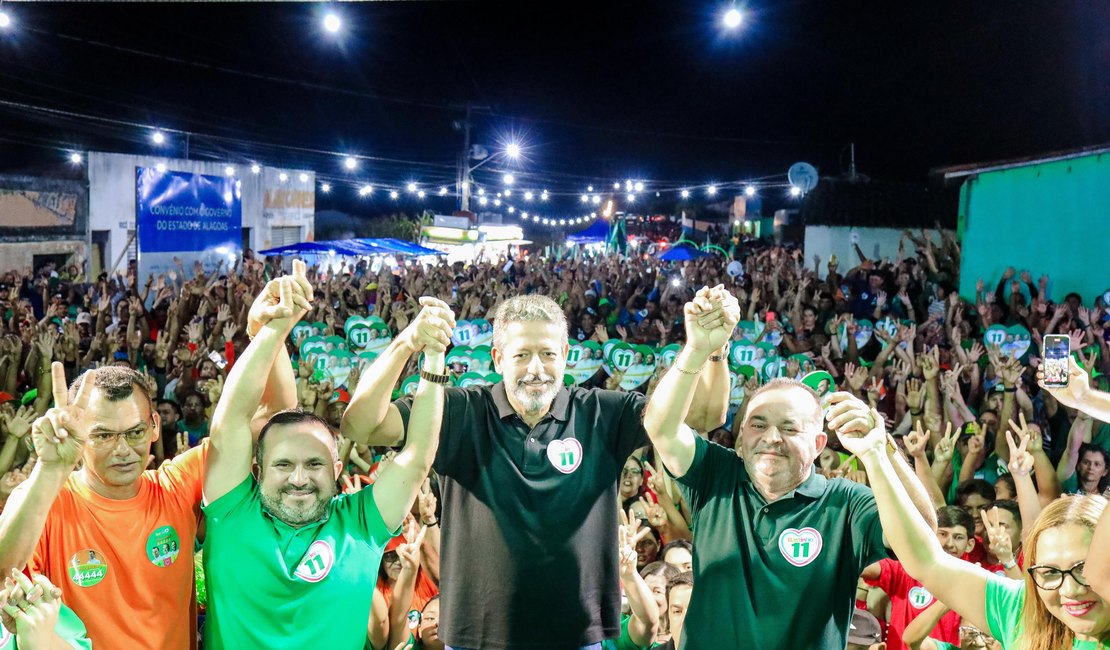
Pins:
x: 1011, y: 564
x: 434, y: 378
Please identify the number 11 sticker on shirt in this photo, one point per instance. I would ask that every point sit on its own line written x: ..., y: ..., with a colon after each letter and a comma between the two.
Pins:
x: 162, y: 546
x: 565, y: 455
x: 800, y: 547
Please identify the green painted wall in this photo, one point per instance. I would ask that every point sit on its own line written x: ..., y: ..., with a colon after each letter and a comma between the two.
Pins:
x: 1049, y: 218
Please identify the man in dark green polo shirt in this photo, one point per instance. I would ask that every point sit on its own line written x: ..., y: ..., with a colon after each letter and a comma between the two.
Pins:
x: 778, y: 548
x: 529, y: 471
x: 289, y: 563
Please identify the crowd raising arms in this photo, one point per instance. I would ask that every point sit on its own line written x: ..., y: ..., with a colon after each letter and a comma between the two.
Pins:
x: 779, y: 438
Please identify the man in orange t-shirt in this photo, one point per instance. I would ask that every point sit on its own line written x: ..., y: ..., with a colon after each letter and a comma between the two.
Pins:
x: 105, y: 533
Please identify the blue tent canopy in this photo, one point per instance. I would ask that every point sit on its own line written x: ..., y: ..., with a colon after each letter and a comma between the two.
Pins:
x: 598, y: 233
x: 354, y: 247
x: 682, y: 253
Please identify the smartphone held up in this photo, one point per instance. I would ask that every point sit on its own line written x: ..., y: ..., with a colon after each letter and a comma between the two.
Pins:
x: 1057, y: 351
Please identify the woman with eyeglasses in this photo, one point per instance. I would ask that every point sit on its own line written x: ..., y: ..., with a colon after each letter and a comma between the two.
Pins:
x: 1052, y: 608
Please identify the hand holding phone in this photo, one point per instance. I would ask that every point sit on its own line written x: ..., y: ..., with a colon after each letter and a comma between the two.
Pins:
x: 1057, y: 351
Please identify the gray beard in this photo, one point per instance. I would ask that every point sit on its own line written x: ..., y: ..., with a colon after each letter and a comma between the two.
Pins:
x: 535, y: 404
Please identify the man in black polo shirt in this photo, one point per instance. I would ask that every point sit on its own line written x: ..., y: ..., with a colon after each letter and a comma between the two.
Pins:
x: 778, y: 548
x: 529, y: 471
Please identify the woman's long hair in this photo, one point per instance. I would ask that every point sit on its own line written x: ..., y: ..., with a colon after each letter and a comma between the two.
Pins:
x: 1040, y: 629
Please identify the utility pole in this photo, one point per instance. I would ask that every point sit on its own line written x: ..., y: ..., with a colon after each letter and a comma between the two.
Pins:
x: 463, y: 181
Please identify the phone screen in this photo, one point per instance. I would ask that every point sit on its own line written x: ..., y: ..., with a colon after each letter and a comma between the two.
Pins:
x: 1057, y: 350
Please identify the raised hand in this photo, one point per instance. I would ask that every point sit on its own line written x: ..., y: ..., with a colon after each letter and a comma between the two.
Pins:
x: 182, y: 442
x: 629, y: 534
x: 998, y: 537
x: 409, y: 552
x: 710, y: 318
x: 58, y: 436
x: 859, y: 427
x: 195, y: 331
x: 975, y: 445
x: 656, y: 516
x: 856, y: 376
x: 930, y: 363
x: 18, y: 423
x: 1010, y: 371
x: 432, y: 328
x: 266, y: 306
x: 916, y: 441
x: 426, y: 503
x: 874, y: 389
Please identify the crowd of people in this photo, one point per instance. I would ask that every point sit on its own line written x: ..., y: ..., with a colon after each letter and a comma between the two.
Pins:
x: 884, y: 468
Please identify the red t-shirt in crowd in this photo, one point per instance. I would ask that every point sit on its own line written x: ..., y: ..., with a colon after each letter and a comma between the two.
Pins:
x: 908, y: 598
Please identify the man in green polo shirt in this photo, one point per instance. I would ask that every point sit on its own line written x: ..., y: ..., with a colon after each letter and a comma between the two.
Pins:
x: 289, y: 563
x: 778, y: 548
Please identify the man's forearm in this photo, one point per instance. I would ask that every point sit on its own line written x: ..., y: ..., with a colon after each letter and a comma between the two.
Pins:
x: 645, y: 611
x: 709, y: 408
x: 1047, y: 482
x: 903, y: 527
x: 1001, y: 449
x: 670, y: 403
x: 914, y: 488
x: 25, y: 516
x: 1098, y: 562
x: 924, y: 474
x: 370, y: 402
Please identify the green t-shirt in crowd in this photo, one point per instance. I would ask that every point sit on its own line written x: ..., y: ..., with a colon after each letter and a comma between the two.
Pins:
x: 274, y: 586
x: 69, y: 628
x: 1005, y: 598
x: 623, y: 642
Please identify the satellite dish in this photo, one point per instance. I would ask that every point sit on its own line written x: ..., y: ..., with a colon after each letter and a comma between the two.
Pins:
x: 803, y: 176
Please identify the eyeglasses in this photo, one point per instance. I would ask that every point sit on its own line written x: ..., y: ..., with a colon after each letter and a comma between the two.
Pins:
x: 632, y: 471
x: 108, y: 440
x: 1051, y: 578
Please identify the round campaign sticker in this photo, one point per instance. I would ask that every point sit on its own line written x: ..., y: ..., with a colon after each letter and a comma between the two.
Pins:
x: 162, y: 546
x: 87, y: 567
x: 800, y: 547
x: 317, y: 562
x: 565, y: 455
x: 920, y: 597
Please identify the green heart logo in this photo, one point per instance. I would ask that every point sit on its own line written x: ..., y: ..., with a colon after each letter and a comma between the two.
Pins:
x: 744, y: 352
x: 643, y: 365
x: 481, y: 359
x: 458, y: 360
x: 621, y: 356
x: 587, y: 358
x: 339, y: 363
x: 747, y: 329
x: 313, y: 345
x: 668, y: 353
x: 773, y: 369
x: 469, y: 379
x: 301, y: 331
x: 464, y: 333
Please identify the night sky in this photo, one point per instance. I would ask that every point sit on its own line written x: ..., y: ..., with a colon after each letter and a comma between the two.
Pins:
x: 596, y: 90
